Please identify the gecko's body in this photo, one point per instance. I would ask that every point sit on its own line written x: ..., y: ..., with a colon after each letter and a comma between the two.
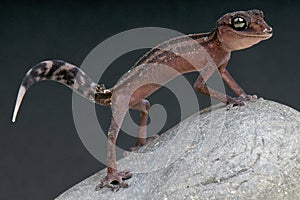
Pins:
x: 234, y: 31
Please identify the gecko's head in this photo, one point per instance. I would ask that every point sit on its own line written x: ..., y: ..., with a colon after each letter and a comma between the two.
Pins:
x: 242, y: 29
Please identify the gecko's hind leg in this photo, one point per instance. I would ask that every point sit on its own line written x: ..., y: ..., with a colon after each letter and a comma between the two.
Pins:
x: 143, y: 106
x: 115, y: 179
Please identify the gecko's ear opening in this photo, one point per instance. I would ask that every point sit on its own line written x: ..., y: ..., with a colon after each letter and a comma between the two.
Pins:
x: 220, y: 22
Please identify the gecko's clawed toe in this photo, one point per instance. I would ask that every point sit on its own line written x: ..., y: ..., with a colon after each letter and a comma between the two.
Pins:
x: 115, y: 181
x: 240, y: 101
x: 248, y: 97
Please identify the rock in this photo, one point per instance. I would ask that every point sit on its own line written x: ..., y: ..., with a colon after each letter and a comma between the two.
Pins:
x: 249, y: 152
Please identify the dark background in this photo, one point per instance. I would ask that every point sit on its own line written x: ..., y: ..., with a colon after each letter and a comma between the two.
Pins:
x: 41, y: 155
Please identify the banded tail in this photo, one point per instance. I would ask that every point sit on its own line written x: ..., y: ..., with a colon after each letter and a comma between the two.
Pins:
x: 67, y: 74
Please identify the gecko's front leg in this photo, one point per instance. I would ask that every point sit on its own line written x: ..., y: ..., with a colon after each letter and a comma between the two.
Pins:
x: 242, y: 96
x: 201, y: 87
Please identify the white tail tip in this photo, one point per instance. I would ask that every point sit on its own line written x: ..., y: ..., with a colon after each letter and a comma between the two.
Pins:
x: 21, y: 94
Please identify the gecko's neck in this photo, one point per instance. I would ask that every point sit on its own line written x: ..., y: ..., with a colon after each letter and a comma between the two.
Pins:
x: 210, y: 41
x: 203, y: 38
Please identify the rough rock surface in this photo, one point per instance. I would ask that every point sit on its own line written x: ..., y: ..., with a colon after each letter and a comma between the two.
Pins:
x: 249, y: 152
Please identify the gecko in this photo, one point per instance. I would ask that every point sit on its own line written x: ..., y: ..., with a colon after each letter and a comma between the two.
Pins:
x: 234, y: 31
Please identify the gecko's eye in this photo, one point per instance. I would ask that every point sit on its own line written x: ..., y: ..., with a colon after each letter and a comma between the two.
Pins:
x: 238, y: 23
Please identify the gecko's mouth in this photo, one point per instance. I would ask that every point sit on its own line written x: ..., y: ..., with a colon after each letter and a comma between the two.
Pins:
x: 262, y: 35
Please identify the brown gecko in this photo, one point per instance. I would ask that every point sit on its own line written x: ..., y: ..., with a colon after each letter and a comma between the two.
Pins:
x: 234, y: 31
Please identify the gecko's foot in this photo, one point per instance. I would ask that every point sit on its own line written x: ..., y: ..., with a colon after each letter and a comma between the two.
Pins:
x: 240, y: 101
x: 115, y: 181
x: 150, y: 139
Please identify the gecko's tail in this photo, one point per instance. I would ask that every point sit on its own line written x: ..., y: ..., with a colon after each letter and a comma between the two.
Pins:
x: 67, y: 74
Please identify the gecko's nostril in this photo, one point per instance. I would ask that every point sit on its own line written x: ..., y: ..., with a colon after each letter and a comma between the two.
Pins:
x: 268, y: 30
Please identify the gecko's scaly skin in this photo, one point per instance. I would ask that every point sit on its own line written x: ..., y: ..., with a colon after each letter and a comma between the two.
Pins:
x: 67, y: 74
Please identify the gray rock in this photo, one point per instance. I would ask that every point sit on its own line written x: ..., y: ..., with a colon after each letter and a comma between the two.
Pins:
x: 249, y: 152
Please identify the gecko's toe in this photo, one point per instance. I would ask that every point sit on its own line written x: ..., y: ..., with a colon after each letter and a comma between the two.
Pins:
x: 249, y: 97
x: 231, y: 105
x: 240, y: 101
x: 115, y: 181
